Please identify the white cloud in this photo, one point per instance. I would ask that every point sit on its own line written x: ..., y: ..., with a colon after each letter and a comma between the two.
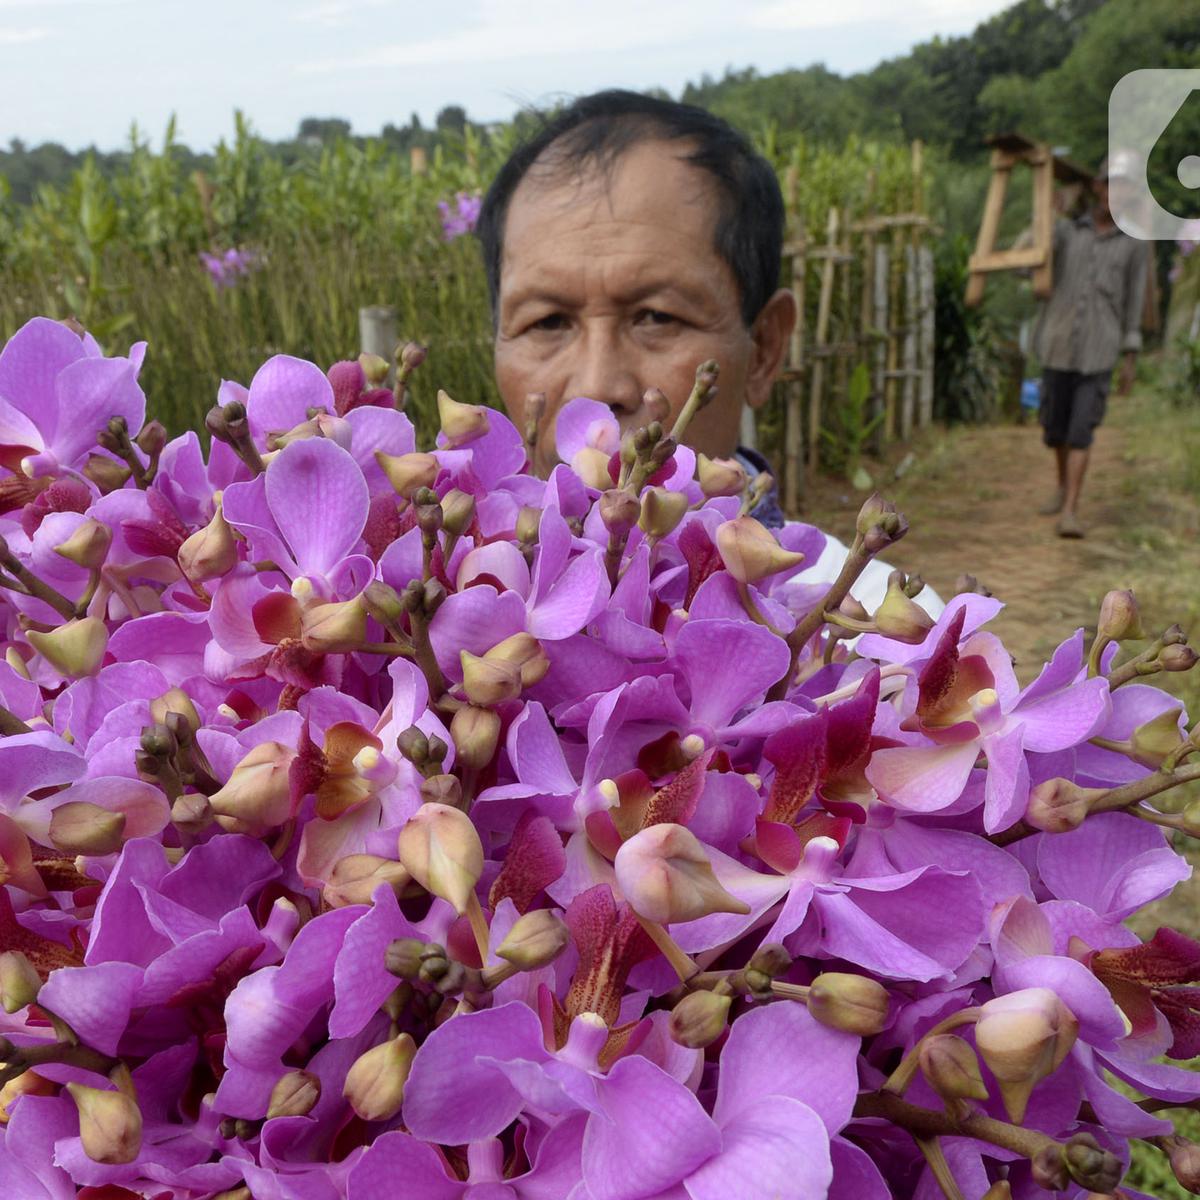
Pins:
x: 334, y: 13
x: 917, y: 15
x: 21, y: 37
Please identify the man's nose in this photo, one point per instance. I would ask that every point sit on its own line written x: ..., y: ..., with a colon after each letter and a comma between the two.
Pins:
x: 603, y: 370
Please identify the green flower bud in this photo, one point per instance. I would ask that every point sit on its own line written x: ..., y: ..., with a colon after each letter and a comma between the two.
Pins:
x: 952, y: 1068
x: 851, y: 1003
x: 110, y: 1124
x: 19, y: 981
x: 699, y: 1019
x: 476, y: 734
x: 375, y: 1082
x: 88, y: 546
x: 80, y: 827
x: 536, y: 939
x: 294, y: 1095
x: 74, y: 650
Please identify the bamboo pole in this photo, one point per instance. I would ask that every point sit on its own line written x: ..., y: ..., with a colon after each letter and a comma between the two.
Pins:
x: 908, y: 402
x: 847, y: 339
x: 927, y: 339
x: 824, y: 304
x: 880, y: 346
x: 895, y: 269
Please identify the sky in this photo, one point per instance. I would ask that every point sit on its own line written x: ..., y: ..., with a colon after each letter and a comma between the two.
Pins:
x: 80, y: 72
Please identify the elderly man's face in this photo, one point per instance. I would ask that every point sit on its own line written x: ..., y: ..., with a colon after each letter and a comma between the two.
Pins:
x: 610, y: 285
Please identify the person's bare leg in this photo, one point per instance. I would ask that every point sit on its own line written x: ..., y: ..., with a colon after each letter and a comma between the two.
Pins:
x: 1077, y: 462
x: 1054, y: 505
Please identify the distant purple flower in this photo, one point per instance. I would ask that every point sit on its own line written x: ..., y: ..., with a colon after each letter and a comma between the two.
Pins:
x: 459, y: 219
x: 227, y: 268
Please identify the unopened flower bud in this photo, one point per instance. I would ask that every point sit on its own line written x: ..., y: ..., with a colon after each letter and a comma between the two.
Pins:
x: 107, y: 474
x: 476, y: 734
x: 458, y: 511
x: 751, y: 552
x: 1000, y: 1190
x: 375, y: 1082
x: 900, y: 617
x: 536, y: 939
x: 1059, y: 805
x: 529, y: 521
x: 952, y: 1068
x: 210, y: 552
x: 771, y: 958
x: 382, y: 602
x: 414, y: 745
x: 662, y: 510
x: 337, y: 628
x: 441, y: 850
x: 852, y: 1003
x: 28, y: 1083
x: 489, y: 681
x: 1154, y: 740
x: 1177, y: 657
x: 356, y: 877
x: 295, y: 1095
x: 411, y: 355
x: 720, y: 476
x: 1184, y: 1157
x: 404, y: 956
x: 158, y: 741
x: 88, y: 545
x: 461, y: 423
x: 442, y: 789
x: 1024, y: 1037
x: 591, y: 465
x: 1048, y: 1169
x: 19, y: 981
x: 175, y: 701
x: 408, y: 472
x: 1090, y: 1165
x: 80, y: 827
x: 152, y: 438
x: 257, y: 797
x: 968, y: 583
x: 666, y: 876
x: 619, y: 510
x: 656, y: 405
x: 699, y: 1019
x: 374, y: 369
x: 524, y: 651
x: 879, y: 524
x: 192, y: 813
x: 110, y: 1124
x: 74, y: 650
x: 1119, y: 617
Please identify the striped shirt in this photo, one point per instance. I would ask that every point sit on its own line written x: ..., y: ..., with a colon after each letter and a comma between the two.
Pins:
x: 1095, y: 310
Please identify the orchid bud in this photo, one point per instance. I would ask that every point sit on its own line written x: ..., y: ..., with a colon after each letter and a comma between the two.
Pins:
x: 427, y: 507
x: 408, y: 472
x: 192, y: 813
x: 374, y: 369
x: 175, y: 701
x: 258, y: 796
x: 751, y: 552
x: 76, y: 649
x: 375, y: 1082
x: 968, y: 583
x: 210, y: 552
x: 88, y: 546
x: 1177, y: 657
x: 1048, y: 1169
x: 656, y: 405
x: 80, y: 827
x: 525, y: 651
x: 666, y: 876
x: 591, y: 465
x: 852, y: 1003
x: 152, y: 438
x: 106, y: 473
x: 952, y: 1068
x: 28, y: 1083
x: 295, y: 1095
x: 110, y: 1124
x: 489, y: 681
x: 411, y: 355
x: 1119, y: 617
x: 699, y: 1019
x: 413, y: 743
x: 476, y: 734
x: 879, y: 524
x: 899, y: 617
x: 461, y: 422
x: 1024, y: 1037
x: 1184, y: 1156
x: 1058, y: 805
x: 404, y: 956
x: 1159, y: 737
x: 441, y: 850
x: 337, y: 628
x: 535, y: 940
x: 356, y: 877
x: 442, y: 789
x: 619, y: 510
x: 720, y: 476
x: 19, y: 981
x: 529, y: 521
x: 662, y: 510
x: 1000, y: 1190
x: 458, y: 511
x: 1090, y: 1165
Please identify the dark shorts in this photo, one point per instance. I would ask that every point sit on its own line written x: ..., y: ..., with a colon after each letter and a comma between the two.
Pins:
x: 1072, y: 406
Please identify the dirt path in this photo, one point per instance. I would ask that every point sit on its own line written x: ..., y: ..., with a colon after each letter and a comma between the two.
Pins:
x: 970, y: 498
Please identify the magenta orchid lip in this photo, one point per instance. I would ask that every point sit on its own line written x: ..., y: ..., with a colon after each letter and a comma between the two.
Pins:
x: 382, y: 820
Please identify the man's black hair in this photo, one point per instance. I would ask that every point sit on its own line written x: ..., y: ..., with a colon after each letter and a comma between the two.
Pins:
x: 598, y: 129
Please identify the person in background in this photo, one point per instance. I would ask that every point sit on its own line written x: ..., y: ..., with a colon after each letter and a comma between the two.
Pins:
x: 628, y: 241
x: 1092, y: 319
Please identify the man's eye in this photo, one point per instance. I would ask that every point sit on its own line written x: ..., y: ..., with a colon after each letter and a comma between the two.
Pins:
x: 655, y: 316
x: 550, y: 323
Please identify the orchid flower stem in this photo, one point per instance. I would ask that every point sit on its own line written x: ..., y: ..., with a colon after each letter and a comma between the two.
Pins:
x: 844, y: 622
x: 897, y: 1082
x: 1138, y: 667
x: 89, y: 593
x: 935, y: 1156
x: 31, y: 585
x: 280, y: 846
x: 479, y: 926
x: 425, y: 658
x: 11, y: 724
x: 21, y: 1058
x: 790, y: 991
x: 1165, y: 820
x: 888, y: 671
x: 392, y: 649
x: 752, y: 611
x: 684, y: 965
x: 121, y: 589
x: 1099, y: 645
x: 856, y: 562
x: 702, y: 391
x: 613, y: 555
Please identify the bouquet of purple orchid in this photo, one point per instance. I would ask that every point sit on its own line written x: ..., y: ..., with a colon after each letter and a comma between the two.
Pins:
x: 384, y: 823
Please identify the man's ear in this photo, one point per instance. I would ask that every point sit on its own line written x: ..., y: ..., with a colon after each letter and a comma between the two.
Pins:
x: 771, y: 332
